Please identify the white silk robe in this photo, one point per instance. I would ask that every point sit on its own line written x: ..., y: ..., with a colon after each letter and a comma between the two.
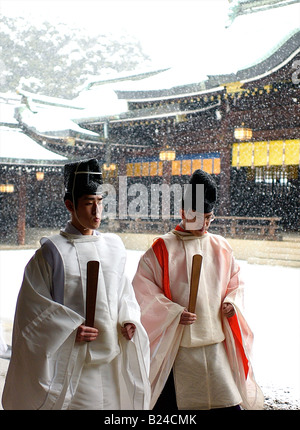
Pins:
x: 48, y: 369
x: 162, y: 289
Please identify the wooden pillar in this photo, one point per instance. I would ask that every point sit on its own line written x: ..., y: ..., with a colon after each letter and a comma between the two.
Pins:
x: 224, y: 193
x: 225, y: 140
x: 122, y: 165
x: 22, y: 199
x: 166, y: 179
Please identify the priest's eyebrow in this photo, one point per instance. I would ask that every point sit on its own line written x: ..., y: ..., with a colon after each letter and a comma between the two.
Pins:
x: 93, y: 198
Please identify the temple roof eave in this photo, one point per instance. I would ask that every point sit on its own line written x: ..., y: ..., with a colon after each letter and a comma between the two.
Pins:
x: 217, y: 84
x: 148, y: 114
x: 32, y: 162
x: 17, y: 147
x: 267, y: 65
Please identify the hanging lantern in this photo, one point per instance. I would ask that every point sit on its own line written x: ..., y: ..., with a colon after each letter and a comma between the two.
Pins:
x: 7, y: 188
x: 243, y: 133
x: 10, y: 188
x: 110, y: 166
x: 167, y: 155
x: 70, y: 141
x: 39, y: 176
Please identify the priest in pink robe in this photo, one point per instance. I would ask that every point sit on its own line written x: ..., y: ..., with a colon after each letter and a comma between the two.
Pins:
x: 200, y: 360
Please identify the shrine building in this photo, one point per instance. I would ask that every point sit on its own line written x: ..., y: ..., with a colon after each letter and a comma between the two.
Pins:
x: 235, y: 116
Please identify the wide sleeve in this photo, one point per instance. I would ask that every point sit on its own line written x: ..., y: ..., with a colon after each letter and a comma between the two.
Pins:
x: 43, y: 339
x: 135, y: 352
x: 235, y: 287
x: 239, y: 342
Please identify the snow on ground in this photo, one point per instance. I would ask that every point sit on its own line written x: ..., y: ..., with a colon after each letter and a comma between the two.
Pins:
x: 272, y: 305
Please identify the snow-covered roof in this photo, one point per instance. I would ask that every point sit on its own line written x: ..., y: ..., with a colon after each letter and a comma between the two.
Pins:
x: 8, y: 105
x: 101, y: 100
x: 48, y: 119
x: 253, y: 37
x: 113, y: 76
x: 249, y: 40
x: 254, y: 44
x: 49, y: 101
x: 16, y: 147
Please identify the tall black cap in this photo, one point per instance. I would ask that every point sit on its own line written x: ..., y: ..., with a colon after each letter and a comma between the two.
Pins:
x: 210, y: 190
x: 82, y: 177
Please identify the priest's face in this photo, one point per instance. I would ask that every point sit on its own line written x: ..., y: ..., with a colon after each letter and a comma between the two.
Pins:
x: 197, y: 223
x: 86, y: 217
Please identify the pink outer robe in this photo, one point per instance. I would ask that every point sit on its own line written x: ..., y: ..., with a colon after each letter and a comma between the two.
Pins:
x: 161, y: 286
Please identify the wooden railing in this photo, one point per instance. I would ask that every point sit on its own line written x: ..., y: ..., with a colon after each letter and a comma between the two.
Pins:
x: 230, y: 226
x: 248, y: 227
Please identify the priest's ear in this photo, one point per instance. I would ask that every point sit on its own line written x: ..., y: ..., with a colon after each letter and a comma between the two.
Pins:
x: 69, y: 205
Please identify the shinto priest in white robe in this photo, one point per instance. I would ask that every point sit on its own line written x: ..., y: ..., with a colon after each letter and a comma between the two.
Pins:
x: 210, y: 358
x: 48, y: 369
